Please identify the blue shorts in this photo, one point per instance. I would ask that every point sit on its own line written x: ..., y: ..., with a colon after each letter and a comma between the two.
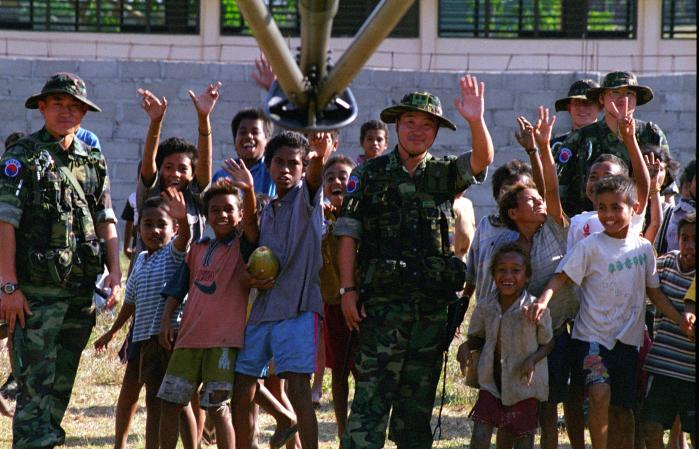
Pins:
x: 564, y: 373
x: 293, y: 343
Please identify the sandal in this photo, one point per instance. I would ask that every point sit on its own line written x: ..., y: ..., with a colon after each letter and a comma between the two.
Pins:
x: 281, y: 437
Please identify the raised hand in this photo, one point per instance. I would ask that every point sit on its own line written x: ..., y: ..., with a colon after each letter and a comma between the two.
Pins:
x: 176, y: 206
x: 525, y: 133
x: 154, y: 107
x: 207, y: 100
x: 624, y: 120
x: 655, y: 168
x: 470, y: 105
x: 240, y: 175
x: 264, y: 77
x: 544, y: 127
x: 321, y: 145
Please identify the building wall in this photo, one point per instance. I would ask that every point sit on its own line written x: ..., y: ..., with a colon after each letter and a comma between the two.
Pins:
x: 122, y: 125
x: 648, y: 53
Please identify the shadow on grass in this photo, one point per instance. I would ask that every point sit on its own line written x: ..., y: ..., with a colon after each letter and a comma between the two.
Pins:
x: 93, y: 411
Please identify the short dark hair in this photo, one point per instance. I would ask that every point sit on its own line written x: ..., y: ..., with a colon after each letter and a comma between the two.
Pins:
x: 606, y: 157
x: 509, y: 200
x: 689, y: 172
x: 223, y: 186
x: 509, y: 172
x: 175, y: 145
x: 672, y: 167
x: 370, y: 125
x: 617, y: 184
x: 289, y: 139
x: 14, y: 137
x: 689, y: 219
x: 509, y: 248
x: 338, y: 159
x: 252, y: 114
x: 154, y: 202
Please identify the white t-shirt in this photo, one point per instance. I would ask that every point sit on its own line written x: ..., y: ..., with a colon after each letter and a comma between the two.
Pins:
x: 613, y: 275
x: 587, y: 223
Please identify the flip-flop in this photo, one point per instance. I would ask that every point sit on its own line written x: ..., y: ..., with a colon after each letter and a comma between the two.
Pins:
x: 281, y: 437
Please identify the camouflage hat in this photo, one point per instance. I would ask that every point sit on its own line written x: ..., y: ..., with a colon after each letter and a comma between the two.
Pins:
x: 617, y: 80
x: 417, y: 102
x: 62, y: 83
x: 577, y: 90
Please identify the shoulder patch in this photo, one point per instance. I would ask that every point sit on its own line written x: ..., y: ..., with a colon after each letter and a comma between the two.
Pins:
x: 12, y: 168
x: 352, y: 184
x: 564, y: 155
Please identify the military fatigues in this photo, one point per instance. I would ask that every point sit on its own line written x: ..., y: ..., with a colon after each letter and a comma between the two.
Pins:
x: 408, y: 276
x: 58, y: 260
x: 576, y: 154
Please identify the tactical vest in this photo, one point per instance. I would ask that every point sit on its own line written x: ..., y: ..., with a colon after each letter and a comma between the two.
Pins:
x: 408, y: 230
x: 56, y: 240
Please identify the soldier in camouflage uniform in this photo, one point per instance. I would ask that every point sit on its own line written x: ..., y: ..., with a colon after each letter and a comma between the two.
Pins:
x: 582, y: 111
x: 580, y: 149
x: 57, y: 229
x: 398, y: 211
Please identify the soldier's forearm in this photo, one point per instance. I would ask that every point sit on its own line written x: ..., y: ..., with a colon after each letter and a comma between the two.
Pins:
x: 483, y: 152
x: 8, y: 273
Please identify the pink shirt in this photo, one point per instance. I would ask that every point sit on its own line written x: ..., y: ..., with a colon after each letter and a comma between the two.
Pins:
x: 214, y: 313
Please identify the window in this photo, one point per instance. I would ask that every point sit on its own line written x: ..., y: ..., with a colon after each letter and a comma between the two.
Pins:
x: 679, y: 19
x: 118, y: 16
x: 538, y: 18
x: 349, y: 18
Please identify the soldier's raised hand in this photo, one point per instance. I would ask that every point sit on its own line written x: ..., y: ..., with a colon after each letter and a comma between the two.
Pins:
x: 205, y: 102
x: 155, y: 107
x: 624, y: 120
x: 470, y: 104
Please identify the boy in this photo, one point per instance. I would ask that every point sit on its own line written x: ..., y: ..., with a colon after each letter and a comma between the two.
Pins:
x: 671, y: 362
x: 509, y: 392
x: 159, y: 221
x: 214, y: 280
x: 615, y: 270
x: 251, y: 132
x: 373, y: 138
x: 176, y: 162
x: 284, y: 319
x: 685, y: 205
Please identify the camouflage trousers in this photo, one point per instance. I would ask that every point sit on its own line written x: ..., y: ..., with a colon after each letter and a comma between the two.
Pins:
x: 398, y: 362
x: 46, y: 357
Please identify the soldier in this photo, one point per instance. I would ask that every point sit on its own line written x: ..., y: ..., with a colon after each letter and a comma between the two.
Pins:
x: 582, y: 147
x: 398, y: 210
x: 582, y: 111
x: 57, y: 229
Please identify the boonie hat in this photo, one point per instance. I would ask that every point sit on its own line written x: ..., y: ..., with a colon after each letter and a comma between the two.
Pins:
x: 63, y: 83
x: 577, y: 90
x: 417, y: 102
x: 617, y: 80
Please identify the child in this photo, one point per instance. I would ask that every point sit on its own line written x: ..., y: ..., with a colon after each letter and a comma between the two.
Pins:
x: 284, y: 318
x: 512, y: 372
x: 176, y: 162
x: 688, y: 188
x: 158, y: 224
x: 335, y: 332
x: 671, y: 362
x: 615, y: 270
x: 214, y: 280
x: 373, y: 138
x: 251, y: 132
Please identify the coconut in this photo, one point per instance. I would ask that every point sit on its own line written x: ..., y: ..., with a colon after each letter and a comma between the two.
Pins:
x: 263, y: 263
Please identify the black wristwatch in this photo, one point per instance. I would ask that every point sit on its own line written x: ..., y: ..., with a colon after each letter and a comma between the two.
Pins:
x: 344, y: 290
x: 9, y: 288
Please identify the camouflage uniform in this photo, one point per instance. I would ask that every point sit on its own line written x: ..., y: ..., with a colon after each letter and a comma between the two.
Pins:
x: 408, y: 277
x: 58, y: 259
x: 575, y: 155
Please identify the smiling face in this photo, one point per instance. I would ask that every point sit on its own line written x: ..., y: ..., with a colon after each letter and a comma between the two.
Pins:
x: 335, y: 183
x: 599, y: 171
x: 616, y: 96
x: 416, y: 132
x: 62, y: 114
x: 224, y: 214
x: 156, y: 227
x: 176, y: 171
x: 687, y: 236
x: 531, y: 208
x: 582, y: 112
x: 286, y: 168
x: 614, y: 212
x: 510, y: 275
x: 250, y: 140
x: 375, y: 143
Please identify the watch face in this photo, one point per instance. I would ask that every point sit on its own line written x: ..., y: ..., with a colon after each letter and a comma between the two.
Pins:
x: 9, y: 288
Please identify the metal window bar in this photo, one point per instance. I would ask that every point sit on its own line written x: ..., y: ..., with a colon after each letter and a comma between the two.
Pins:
x: 679, y: 19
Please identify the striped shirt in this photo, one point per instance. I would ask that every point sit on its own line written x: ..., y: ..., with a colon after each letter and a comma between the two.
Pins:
x: 672, y: 354
x: 143, y: 289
